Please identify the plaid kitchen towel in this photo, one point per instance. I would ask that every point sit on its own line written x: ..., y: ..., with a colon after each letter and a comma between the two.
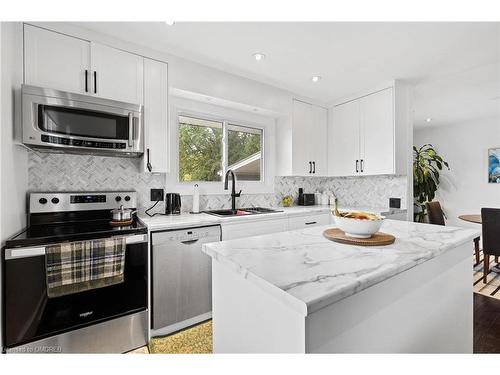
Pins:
x: 74, y: 267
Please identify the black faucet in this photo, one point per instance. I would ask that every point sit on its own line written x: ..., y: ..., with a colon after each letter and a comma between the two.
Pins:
x: 234, y: 195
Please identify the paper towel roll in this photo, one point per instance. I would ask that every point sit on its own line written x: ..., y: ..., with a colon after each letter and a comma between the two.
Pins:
x: 196, y: 199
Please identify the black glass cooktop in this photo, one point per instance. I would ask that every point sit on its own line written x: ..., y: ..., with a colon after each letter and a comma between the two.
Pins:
x: 40, y: 234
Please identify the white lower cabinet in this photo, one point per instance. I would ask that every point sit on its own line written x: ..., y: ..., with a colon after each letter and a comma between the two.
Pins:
x: 232, y: 231
x: 300, y: 222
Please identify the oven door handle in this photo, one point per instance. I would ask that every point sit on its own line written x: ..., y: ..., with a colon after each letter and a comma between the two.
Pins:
x: 138, y: 238
x: 25, y: 252
x: 28, y: 252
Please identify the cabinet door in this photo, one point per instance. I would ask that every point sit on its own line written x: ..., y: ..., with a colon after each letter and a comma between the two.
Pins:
x: 156, y: 116
x: 377, y: 133
x: 343, y: 144
x: 302, y: 138
x: 318, y: 144
x: 116, y: 74
x: 55, y: 61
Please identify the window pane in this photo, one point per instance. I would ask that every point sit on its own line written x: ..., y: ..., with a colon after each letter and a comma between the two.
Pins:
x: 244, y: 152
x: 200, y: 149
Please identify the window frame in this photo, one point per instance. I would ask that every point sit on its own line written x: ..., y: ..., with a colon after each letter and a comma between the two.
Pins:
x: 226, y: 116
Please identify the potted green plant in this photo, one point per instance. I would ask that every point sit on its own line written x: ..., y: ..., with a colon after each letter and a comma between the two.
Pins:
x: 426, y: 166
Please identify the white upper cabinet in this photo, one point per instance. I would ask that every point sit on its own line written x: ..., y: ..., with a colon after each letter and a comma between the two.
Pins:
x: 344, y: 140
x: 318, y: 145
x: 308, y: 147
x: 116, y: 74
x: 155, y: 116
x: 56, y: 61
x: 369, y: 135
x: 62, y: 62
x: 377, y: 129
x: 301, y: 130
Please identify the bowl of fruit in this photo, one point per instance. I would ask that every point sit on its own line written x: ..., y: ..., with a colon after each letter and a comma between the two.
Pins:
x: 358, y: 224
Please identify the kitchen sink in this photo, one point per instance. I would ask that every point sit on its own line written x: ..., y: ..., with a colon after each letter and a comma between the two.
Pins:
x: 242, y: 211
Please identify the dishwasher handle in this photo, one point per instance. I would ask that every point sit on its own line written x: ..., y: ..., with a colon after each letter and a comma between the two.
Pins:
x: 189, y: 242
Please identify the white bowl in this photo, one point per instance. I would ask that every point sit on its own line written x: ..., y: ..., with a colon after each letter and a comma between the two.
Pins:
x: 359, y: 228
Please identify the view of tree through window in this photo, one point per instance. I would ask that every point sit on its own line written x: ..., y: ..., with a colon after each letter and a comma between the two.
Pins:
x: 200, y: 150
x: 244, y: 152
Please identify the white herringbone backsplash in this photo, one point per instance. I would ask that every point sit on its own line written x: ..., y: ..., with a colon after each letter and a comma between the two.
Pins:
x: 67, y: 172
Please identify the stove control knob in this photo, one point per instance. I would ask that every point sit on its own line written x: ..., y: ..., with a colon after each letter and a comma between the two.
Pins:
x: 42, y: 200
x: 55, y: 200
x: 127, y: 198
x: 118, y: 198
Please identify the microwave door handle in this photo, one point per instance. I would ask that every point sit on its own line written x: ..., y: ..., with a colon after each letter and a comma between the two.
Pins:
x: 130, y: 129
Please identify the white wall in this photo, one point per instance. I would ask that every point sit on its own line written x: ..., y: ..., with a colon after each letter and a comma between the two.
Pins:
x: 465, y: 188
x: 14, y: 159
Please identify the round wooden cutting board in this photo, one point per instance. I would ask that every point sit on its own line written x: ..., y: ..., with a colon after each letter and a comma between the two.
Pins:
x: 378, y: 239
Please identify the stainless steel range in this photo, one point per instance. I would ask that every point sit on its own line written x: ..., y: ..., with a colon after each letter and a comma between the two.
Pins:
x: 105, y: 317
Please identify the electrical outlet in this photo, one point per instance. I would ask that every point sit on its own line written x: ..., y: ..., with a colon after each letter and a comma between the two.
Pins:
x: 156, y: 195
x: 394, y: 202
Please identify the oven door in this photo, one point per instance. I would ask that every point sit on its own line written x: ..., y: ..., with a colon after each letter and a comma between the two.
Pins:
x: 30, y: 315
x: 74, y: 122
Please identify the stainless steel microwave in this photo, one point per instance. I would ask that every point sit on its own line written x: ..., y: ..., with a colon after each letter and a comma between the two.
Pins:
x: 59, y: 121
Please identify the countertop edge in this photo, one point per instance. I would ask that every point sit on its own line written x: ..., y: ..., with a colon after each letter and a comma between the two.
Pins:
x: 296, y: 304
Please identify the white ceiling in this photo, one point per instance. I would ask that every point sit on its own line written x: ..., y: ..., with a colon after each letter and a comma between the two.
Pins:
x: 455, y: 66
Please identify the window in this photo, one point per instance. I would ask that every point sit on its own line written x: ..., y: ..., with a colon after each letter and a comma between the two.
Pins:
x: 200, y: 149
x: 244, y: 152
x: 208, y: 148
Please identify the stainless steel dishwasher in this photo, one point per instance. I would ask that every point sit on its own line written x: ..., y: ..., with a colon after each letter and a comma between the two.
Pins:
x: 181, y: 278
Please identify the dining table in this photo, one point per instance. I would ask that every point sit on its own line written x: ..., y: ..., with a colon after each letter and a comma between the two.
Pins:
x: 471, y: 218
x: 476, y: 219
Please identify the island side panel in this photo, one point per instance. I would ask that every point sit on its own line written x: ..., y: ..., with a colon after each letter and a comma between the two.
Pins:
x: 426, y: 309
x: 247, y: 319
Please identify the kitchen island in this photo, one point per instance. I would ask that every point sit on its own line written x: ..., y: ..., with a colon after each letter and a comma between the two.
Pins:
x: 297, y: 292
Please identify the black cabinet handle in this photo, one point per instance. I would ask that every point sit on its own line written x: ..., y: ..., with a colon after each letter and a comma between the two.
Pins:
x: 311, y: 222
x: 95, y: 82
x: 86, y: 80
x: 357, y: 163
x: 310, y: 167
x: 314, y: 167
x: 148, y: 164
x: 362, y: 164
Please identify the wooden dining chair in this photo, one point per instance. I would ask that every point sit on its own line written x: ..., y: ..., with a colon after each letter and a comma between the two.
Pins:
x: 436, y: 216
x: 491, y: 237
x: 435, y: 213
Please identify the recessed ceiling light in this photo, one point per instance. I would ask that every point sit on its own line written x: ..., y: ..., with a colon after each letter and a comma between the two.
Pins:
x: 259, y: 56
x: 428, y: 119
x: 315, y: 78
x: 170, y: 23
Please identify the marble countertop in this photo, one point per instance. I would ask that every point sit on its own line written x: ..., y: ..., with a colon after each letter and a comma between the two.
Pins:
x: 308, y: 272
x: 185, y: 220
